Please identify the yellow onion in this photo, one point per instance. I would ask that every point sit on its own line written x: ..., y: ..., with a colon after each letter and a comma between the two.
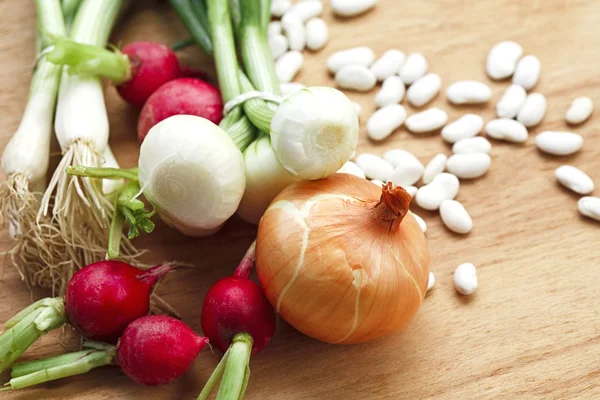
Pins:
x: 342, y: 260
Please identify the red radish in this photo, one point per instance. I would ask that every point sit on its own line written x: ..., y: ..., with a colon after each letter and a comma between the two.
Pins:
x: 152, y: 65
x: 153, y: 350
x: 103, y: 298
x: 239, y: 320
x: 181, y: 96
x: 156, y: 349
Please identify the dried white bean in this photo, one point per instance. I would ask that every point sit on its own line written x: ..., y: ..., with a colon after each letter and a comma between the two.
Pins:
x: 574, y: 179
x: 317, y: 34
x: 280, y: 7
x: 467, y: 126
x: 355, y: 77
x: 397, y: 156
x: 468, y: 92
x: 278, y: 45
x: 507, y: 129
x: 290, y: 88
x: 590, y: 207
x: 511, y: 102
x: 431, y: 281
x: 527, y: 72
x: 581, y: 108
x: 351, y: 168
x: 375, y: 167
x: 413, y: 68
x: 385, y: 121
x: 436, y: 166
x: 469, y: 166
x: 477, y: 144
x: 502, y: 59
x: 559, y: 143
x: 443, y: 187
x: 424, y: 89
x: 274, y: 28
x: 355, y: 56
x: 427, y: 121
x: 376, y: 182
x: 412, y: 190
x: 455, y: 217
x: 408, y: 170
x: 307, y: 9
x: 533, y: 110
x: 288, y: 65
x: 388, y: 64
x: 391, y: 92
x: 465, y: 279
x: 421, y: 222
x: 294, y: 29
x: 351, y: 8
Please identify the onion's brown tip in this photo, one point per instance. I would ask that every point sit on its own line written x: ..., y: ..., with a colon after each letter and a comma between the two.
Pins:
x: 393, y: 204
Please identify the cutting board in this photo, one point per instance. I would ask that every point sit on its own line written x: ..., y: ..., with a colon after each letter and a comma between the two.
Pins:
x: 530, y: 331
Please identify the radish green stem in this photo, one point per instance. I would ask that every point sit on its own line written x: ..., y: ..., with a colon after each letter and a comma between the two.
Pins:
x: 90, y: 60
x: 28, y: 326
x: 214, y: 378
x: 183, y: 44
x: 234, y: 379
x: 29, y: 367
x: 61, y: 367
x: 114, y: 235
x: 245, y: 266
x: 103, y: 173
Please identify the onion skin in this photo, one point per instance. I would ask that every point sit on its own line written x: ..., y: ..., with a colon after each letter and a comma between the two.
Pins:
x: 342, y: 260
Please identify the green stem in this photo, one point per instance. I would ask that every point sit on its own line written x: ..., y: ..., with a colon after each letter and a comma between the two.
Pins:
x: 134, y: 210
x: 103, y: 173
x: 29, y: 367
x: 69, y: 8
x: 60, y: 367
x: 200, y: 32
x: 94, y: 21
x: 90, y: 60
x: 234, y: 377
x: 265, y: 14
x: 183, y: 44
x: 214, y: 378
x: 115, y: 234
x: 28, y: 326
x: 256, y: 110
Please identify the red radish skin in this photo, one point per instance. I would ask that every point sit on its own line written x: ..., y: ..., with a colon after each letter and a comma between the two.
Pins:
x: 237, y: 305
x: 157, y: 349
x: 181, y: 96
x: 103, y: 298
x: 152, y: 65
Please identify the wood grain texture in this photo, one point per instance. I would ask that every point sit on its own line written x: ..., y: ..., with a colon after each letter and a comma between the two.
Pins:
x: 532, y: 329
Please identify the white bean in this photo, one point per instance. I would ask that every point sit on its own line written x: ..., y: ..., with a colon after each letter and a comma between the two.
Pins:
x: 511, y: 102
x: 274, y: 28
x: 443, y: 187
x: 351, y: 8
x: 431, y: 281
x: 590, y: 207
x: 468, y: 92
x: 477, y: 144
x: 355, y: 56
x: 424, y: 89
x: 307, y: 9
x: 455, y: 217
x: 467, y: 126
x: 279, y: 7
x: 391, y: 92
x: 317, y: 34
x: 294, y: 29
x: 290, y: 88
x: 421, y: 222
x: 533, y: 110
x: 436, y: 166
x: 288, y: 65
x: 388, y: 64
x: 574, y: 179
x: 581, y: 108
x: 355, y: 77
x: 398, y: 156
x: 375, y: 167
x: 502, y: 59
x: 527, y: 72
x: 427, y: 121
x: 278, y: 45
x: 559, y: 143
x: 408, y: 171
x: 465, y: 279
x: 385, y: 121
x: 507, y: 129
x: 413, y: 68
x: 469, y: 166
x: 412, y: 190
x: 351, y: 168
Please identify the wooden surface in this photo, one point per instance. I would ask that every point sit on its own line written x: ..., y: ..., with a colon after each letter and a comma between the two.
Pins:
x: 532, y: 329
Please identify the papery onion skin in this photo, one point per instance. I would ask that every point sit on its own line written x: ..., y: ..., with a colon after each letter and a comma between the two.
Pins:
x: 340, y: 265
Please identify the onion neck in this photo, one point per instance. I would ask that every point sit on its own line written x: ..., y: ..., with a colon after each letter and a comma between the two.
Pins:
x: 393, y: 204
